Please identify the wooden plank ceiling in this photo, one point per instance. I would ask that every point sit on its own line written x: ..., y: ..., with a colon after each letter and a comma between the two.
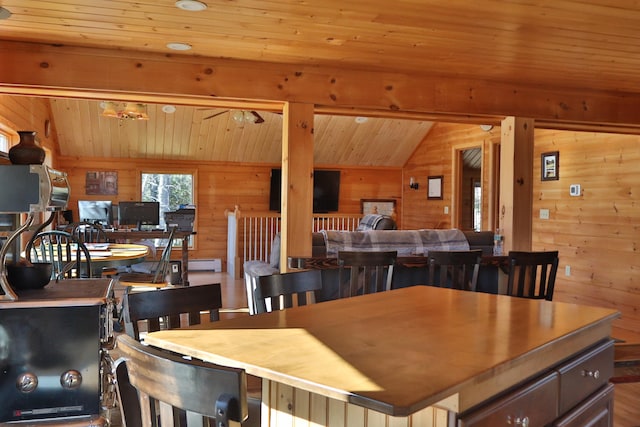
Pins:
x: 578, y: 45
x: 210, y: 134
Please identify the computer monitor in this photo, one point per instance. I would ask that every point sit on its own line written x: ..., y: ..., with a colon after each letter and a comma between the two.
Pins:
x: 95, y: 211
x: 138, y: 213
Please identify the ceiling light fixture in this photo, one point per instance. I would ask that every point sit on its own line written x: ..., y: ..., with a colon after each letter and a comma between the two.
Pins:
x: 179, y: 46
x: 191, y: 5
x: 361, y: 119
x: 169, y: 109
x: 486, y: 128
x: 242, y: 116
x: 121, y: 110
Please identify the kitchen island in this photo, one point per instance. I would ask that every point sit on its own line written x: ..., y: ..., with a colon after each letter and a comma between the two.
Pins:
x: 415, y: 356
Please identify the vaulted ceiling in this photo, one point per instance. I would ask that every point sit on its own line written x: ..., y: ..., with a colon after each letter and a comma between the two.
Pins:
x: 589, y: 49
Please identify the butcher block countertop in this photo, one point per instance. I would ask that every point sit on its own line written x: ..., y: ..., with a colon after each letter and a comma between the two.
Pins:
x: 400, y: 351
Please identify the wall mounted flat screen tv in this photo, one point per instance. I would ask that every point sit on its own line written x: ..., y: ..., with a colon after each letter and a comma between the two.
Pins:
x: 139, y: 213
x: 96, y: 211
x: 326, y: 190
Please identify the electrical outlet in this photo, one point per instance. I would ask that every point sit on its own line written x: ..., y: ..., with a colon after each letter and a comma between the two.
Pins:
x: 567, y: 270
x: 446, y: 210
x: 544, y: 213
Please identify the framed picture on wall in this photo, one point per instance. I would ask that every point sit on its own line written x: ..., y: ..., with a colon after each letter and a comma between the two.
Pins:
x: 434, y: 187
x: 550, y: 166
x: 101, y: 182
x: 378, y: 206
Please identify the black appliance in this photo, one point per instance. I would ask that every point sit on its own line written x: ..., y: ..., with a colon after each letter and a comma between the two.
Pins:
x: 54, y: 341
x: 52, y: 344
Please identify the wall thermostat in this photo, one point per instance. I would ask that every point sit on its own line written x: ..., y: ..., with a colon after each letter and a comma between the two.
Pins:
x: 574, y: 190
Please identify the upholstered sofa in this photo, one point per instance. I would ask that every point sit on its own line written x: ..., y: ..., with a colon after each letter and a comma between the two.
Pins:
x: 406, y: 242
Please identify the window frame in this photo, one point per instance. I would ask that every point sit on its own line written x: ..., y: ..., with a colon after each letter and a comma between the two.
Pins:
x: 176, y: 171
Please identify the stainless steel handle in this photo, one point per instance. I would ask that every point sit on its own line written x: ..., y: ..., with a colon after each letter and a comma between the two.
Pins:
x: 593, y: 374
x: 517, y: 421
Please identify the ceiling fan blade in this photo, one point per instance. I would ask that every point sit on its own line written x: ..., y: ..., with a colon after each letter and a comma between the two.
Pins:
x: 215, y: 115
x: 259, y: 118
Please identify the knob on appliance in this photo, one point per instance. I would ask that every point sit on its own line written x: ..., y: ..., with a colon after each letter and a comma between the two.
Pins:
x: 27, y: 382
x: 71, y: 379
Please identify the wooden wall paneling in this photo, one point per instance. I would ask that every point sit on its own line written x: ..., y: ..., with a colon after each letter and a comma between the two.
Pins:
x: 596, y: 232
x: 434, y: 157
x: 26, y: 113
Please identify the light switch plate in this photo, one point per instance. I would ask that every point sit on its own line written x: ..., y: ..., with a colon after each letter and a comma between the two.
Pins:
x: 544, y: 213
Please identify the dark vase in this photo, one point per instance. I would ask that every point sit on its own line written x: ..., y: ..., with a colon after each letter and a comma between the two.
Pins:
x: 27, y: 152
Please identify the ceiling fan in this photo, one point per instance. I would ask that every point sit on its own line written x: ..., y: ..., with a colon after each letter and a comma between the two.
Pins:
x: 240, y: 116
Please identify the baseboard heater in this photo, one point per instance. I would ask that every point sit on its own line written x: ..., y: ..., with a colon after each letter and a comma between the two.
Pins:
x: 205, y: 265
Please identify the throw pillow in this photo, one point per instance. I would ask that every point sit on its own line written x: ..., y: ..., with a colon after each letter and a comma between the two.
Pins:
x: 274, y: 257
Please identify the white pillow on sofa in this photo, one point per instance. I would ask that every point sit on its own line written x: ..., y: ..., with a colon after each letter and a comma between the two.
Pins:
x: 274, y: 256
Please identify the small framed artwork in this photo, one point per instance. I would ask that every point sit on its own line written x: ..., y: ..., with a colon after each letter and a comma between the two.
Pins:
x: 434, y: 187
x: 550, y: 166
x: 378, y: 206
x: 101, y: 182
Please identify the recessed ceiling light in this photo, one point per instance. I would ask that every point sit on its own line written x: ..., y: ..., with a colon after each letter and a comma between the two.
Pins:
x: 361, y: 119
x: 191, y: 5
x: 4, y: 13
x: 169, y: 109
x: 179, y: 46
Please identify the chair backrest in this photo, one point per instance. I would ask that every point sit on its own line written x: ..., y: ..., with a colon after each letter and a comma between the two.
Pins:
x: 69, y: 257
x: 532, y: 274
x: 279, y: 289
x: 173, y: 391
x: 169, y: 304
x: 369, y: 272
x: 87, y: 232
x: 454, y: 269
x: 164, y: 264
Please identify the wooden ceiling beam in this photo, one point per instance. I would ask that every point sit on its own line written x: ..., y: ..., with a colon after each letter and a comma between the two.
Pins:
x: 40, y: 69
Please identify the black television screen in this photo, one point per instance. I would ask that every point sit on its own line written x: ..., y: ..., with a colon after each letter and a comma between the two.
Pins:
x: 95, y: 211
x: 326, y: 190
x: 139, y: 213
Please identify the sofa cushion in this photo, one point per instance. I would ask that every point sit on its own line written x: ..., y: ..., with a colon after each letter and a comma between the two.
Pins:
x: 376, y: 222
x: 274, y: 256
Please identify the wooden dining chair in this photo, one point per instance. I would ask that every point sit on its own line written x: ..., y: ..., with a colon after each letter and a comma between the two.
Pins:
x: 172, y: 391
x: 532, y: 274
x: 284, y: 290
x: 69, y: 257
x: 454, y: 269
x: 87, y: 232
x: 368, y: 272
x: 158, y: 272
x: 174, y: 307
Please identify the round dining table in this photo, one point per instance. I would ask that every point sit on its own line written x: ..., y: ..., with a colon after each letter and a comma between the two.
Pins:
x: 116, y: 254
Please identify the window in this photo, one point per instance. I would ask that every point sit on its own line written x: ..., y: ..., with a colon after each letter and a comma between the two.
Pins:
x: 4, y: 142
x: 170, y: 190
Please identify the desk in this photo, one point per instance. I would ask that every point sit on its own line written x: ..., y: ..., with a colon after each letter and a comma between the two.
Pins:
x: 406, y: 352
x: 113, y: 235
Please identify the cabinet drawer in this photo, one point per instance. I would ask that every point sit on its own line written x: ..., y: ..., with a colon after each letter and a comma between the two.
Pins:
x: 537, y: 402
x: 585, y: 374
x: 596, y: 411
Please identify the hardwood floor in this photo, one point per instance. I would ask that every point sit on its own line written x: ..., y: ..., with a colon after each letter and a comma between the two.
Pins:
x: 627, y: 395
